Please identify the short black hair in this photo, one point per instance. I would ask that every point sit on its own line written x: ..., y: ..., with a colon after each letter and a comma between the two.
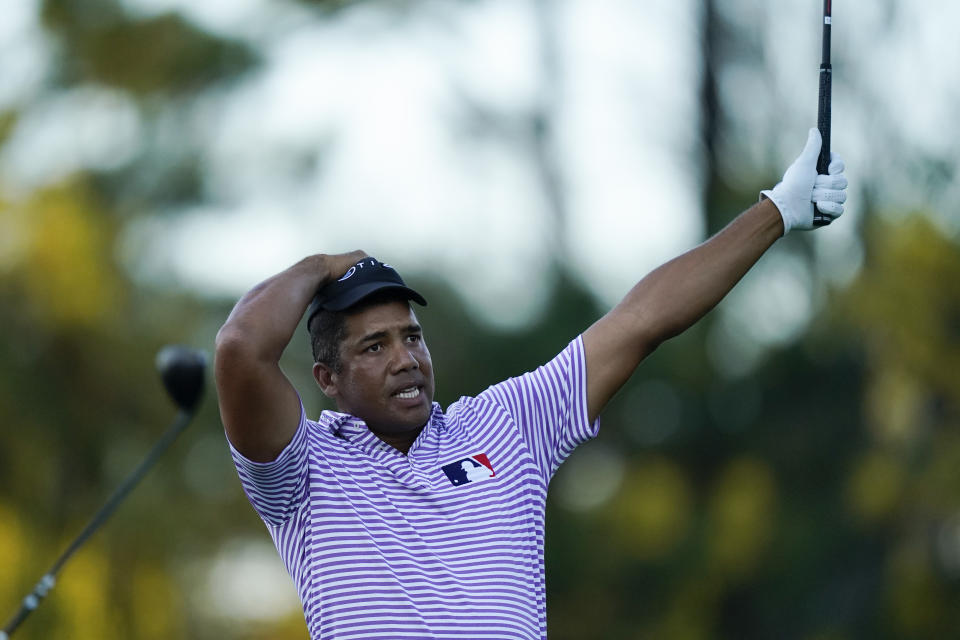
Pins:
x: 329, y: 328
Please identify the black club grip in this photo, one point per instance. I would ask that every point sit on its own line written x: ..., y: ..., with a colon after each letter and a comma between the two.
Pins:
x: 823, y: 124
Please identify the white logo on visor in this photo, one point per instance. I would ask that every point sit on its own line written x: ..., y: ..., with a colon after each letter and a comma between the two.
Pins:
x: 353, y: 269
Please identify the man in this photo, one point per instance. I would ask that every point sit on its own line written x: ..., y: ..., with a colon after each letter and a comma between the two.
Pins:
x: 396, y: 519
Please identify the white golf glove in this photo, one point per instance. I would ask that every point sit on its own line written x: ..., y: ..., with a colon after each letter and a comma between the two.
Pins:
x: 801, y: 187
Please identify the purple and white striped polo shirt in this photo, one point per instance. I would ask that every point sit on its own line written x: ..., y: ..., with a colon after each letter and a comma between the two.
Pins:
x: 444, y: 542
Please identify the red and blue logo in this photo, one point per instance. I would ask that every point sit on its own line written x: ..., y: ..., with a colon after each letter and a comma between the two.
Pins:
x: 473, y: 469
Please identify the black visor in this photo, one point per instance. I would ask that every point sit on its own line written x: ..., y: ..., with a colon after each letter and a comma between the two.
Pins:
x: 362, y: 280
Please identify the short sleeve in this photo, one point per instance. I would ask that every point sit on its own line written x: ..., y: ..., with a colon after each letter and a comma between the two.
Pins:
x: 276, y: 488
x: 549, y: 406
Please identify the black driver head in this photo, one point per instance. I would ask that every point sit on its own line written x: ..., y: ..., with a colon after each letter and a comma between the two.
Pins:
x: 182, y: 370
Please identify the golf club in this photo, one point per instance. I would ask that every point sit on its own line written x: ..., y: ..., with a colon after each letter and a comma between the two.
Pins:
x: 821, y: 219
x: 182, y: 371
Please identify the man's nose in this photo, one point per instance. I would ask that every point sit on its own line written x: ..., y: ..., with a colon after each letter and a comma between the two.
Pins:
x: 404, y: 359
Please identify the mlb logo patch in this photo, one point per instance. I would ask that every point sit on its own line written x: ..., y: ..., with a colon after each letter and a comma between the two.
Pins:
x: 473, y: 469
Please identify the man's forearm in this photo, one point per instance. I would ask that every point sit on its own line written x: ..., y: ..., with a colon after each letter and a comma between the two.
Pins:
x: 266, y: 316
x: 674, y: 296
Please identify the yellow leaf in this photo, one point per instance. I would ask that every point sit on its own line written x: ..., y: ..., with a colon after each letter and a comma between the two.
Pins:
x: 875, y: 486
x: 66, y: 262
x: 741, y: 515
x: 652, y: 511
x: 13, y: 548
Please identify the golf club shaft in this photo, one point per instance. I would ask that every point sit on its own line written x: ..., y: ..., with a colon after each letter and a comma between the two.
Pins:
x: 46, y: 583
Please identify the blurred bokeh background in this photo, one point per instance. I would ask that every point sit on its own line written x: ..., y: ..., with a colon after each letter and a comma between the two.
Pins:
x: 788, y: 468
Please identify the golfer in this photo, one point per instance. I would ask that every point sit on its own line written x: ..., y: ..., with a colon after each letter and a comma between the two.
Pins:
x: 399, y: 519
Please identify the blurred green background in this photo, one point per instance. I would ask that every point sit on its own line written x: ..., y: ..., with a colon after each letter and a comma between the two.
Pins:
x: 788, y: 468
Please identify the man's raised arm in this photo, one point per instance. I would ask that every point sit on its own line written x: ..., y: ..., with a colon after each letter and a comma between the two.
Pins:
x: 674, y: 296
x: 258, y: 405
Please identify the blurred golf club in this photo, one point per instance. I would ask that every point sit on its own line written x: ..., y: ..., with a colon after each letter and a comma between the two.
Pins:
x: 182, y: 370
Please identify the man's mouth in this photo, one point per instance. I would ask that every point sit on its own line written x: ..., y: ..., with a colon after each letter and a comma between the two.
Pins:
x: 408, y: 393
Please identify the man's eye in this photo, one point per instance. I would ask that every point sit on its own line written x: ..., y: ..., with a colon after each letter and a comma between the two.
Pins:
x: 413, y: 338
x: 375, y: 347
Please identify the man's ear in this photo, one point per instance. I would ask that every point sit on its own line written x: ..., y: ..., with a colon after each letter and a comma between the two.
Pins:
x: 326, y: 379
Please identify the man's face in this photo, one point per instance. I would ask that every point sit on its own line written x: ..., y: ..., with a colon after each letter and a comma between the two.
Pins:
x: 386, y: 377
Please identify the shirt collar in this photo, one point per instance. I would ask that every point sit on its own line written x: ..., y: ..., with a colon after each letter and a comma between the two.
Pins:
x: 350, y: 427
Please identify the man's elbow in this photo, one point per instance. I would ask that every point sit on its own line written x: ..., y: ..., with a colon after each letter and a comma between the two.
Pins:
x: 230, y: 341
x: 668, y: 323
x: 666, y: 332
x: 649, y: 330
x: 234, y: 349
